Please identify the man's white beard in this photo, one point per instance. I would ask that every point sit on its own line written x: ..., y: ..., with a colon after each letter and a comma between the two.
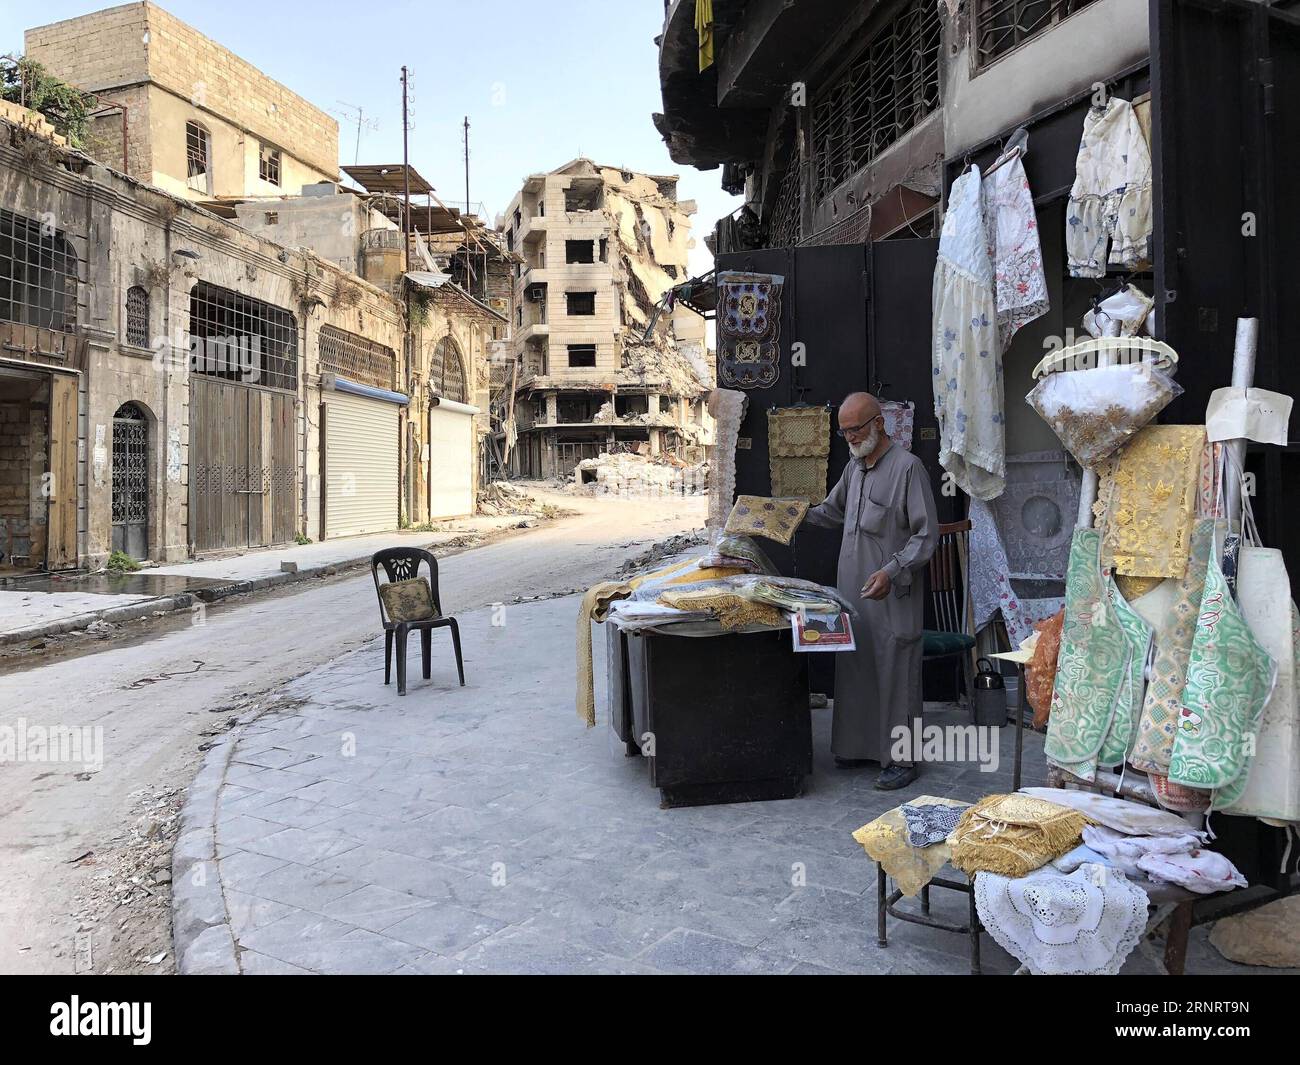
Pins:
x: 867, y: 446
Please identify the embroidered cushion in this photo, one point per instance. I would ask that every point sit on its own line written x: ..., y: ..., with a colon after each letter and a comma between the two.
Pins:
x: 407, y: 600
x: 776, y: 519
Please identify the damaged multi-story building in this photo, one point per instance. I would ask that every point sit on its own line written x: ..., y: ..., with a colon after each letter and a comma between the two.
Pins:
x: 598, y: 364
x: 177, y: 377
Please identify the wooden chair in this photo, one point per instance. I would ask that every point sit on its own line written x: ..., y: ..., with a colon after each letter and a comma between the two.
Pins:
x: 949, y: 584
x: 403, y: 564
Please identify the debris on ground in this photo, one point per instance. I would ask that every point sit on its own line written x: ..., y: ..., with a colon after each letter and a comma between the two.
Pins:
x: 630, y: 474
x: 501, y: 498
x: 123, y: 916
x: 664, y: 549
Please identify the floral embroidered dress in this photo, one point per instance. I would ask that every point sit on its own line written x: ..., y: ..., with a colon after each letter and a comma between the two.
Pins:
x: 1020, y: 286
x: 968, y: 393
x: 1111, y: 201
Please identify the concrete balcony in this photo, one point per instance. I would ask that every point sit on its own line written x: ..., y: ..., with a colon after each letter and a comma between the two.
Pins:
x: 534, y: 230
x: 534, y: 329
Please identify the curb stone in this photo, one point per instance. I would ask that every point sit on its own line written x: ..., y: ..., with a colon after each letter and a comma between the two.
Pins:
x: 201, y: 936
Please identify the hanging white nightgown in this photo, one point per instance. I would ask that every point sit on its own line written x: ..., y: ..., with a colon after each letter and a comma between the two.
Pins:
x: 1019, y: 283
x: 968, y: 398
x: 1111, y: 198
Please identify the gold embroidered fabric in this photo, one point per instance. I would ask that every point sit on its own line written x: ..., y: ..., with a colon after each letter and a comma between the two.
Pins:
x: 798, y: 451
x: 776, y: 519
x: 733, y: 611
x: 799, y: 432
x: 799, y: 478
x: 594, y: 607
x: 1147, y: 500
x: 1012, y: 835
x: 1136, y: 587
x: 885, y: 841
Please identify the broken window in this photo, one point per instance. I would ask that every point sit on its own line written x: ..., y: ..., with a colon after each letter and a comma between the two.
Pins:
x: 584, y: 195
x: 198, y: 158
x: 604, y: 249
x: 631, y: 405
x: 582, y: 355
x: 238, y: 338
x: 574, y: 410
x: 519, y: 220
x: 886, y: 91
x: 268, y: 164
x: 1001, y: 25
x: 579, y: 251
x: 272, y: 218
x: 137, y: 316
x: 581, y: 303
x: 38, y: 274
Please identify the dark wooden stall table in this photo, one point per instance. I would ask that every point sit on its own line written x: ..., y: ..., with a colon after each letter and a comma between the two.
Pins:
x: 720, y: 718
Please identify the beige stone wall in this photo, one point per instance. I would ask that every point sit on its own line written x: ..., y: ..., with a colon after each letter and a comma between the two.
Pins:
x: 190, y: 77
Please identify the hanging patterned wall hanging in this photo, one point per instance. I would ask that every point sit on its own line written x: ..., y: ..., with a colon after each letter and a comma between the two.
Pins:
x: 749, y: 328
x: 798, y: 450
x: 899, y: 418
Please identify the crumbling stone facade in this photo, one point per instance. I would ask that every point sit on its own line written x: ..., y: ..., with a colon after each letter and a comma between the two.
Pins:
x: 597, y: 366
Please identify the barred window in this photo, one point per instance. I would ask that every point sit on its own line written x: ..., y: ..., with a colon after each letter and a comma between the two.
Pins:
x: 198, y: 158
x: 1001, y: 25
x: 137, y: 316
x: 886, y: 91
x: 447, y: 372
x: 38, y: 274
x: 238, y: 338
x: 356, y: 358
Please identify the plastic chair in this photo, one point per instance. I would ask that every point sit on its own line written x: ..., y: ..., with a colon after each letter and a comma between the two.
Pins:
x: 402, y: 564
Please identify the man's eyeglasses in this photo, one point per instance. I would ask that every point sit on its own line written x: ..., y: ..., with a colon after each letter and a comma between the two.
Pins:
x: 856, y: 429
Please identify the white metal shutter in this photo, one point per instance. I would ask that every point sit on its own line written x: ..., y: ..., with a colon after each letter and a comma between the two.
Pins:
x: 451, y: 458
x: 361, y: 452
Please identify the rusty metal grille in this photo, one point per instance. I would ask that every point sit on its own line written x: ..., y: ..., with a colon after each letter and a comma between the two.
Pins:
x: 886, y: 91
x: 38, y: 274
x: 130, y: 466
x: 356, y: 358
x: 784, y: 230
x: 238, y: 338
x: 137, y: 316
x: 446, y: 373
x: 1001, y: 25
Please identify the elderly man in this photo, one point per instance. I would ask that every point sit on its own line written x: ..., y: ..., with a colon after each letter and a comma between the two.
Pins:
x: 884, y: 504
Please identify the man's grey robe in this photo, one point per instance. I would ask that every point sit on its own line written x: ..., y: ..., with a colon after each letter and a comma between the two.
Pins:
x: 890, y: 523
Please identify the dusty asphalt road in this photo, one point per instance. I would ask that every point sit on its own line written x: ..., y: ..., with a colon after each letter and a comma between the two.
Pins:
x: 154, y: 695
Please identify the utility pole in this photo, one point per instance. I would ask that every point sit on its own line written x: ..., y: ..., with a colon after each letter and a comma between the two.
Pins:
x: 406, y: 170
x: 467, y: 209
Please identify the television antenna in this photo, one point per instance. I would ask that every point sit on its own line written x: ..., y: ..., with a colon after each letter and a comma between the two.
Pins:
x: 369, y: 124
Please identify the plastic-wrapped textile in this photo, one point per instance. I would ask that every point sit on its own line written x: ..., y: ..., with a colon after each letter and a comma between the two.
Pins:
x: 1095, y: 411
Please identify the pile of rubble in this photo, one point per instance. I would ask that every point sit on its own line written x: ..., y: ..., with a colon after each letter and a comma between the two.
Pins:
x: 500, y: 498
x: 661, y: 552
x: 626, y: 474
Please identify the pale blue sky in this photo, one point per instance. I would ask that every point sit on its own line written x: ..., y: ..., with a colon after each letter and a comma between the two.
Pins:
x: 542, y: 81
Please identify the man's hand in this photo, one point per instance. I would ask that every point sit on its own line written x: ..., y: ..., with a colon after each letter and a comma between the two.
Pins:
x: 877, y: 586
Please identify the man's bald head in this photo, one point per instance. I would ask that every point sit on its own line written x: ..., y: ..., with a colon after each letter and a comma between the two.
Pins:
x: 858, y: 407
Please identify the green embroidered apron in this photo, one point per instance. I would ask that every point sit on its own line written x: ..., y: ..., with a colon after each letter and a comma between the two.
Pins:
x: 1099, y: 669
x: 1229, y: 679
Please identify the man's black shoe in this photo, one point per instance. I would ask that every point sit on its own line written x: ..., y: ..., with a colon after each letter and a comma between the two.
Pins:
x: 895, y: 777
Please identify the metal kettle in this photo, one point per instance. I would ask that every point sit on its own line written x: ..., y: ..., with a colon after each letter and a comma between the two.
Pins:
x: 989, y: 699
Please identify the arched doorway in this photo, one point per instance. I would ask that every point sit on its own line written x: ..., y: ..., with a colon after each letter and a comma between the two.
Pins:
x: 131, y: 481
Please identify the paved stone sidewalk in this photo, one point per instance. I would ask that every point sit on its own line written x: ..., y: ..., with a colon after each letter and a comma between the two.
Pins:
x: 482, y: 829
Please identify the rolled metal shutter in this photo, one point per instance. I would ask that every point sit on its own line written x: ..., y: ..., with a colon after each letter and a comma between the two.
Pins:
x: 451, y: 459
x: 361, y: 465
